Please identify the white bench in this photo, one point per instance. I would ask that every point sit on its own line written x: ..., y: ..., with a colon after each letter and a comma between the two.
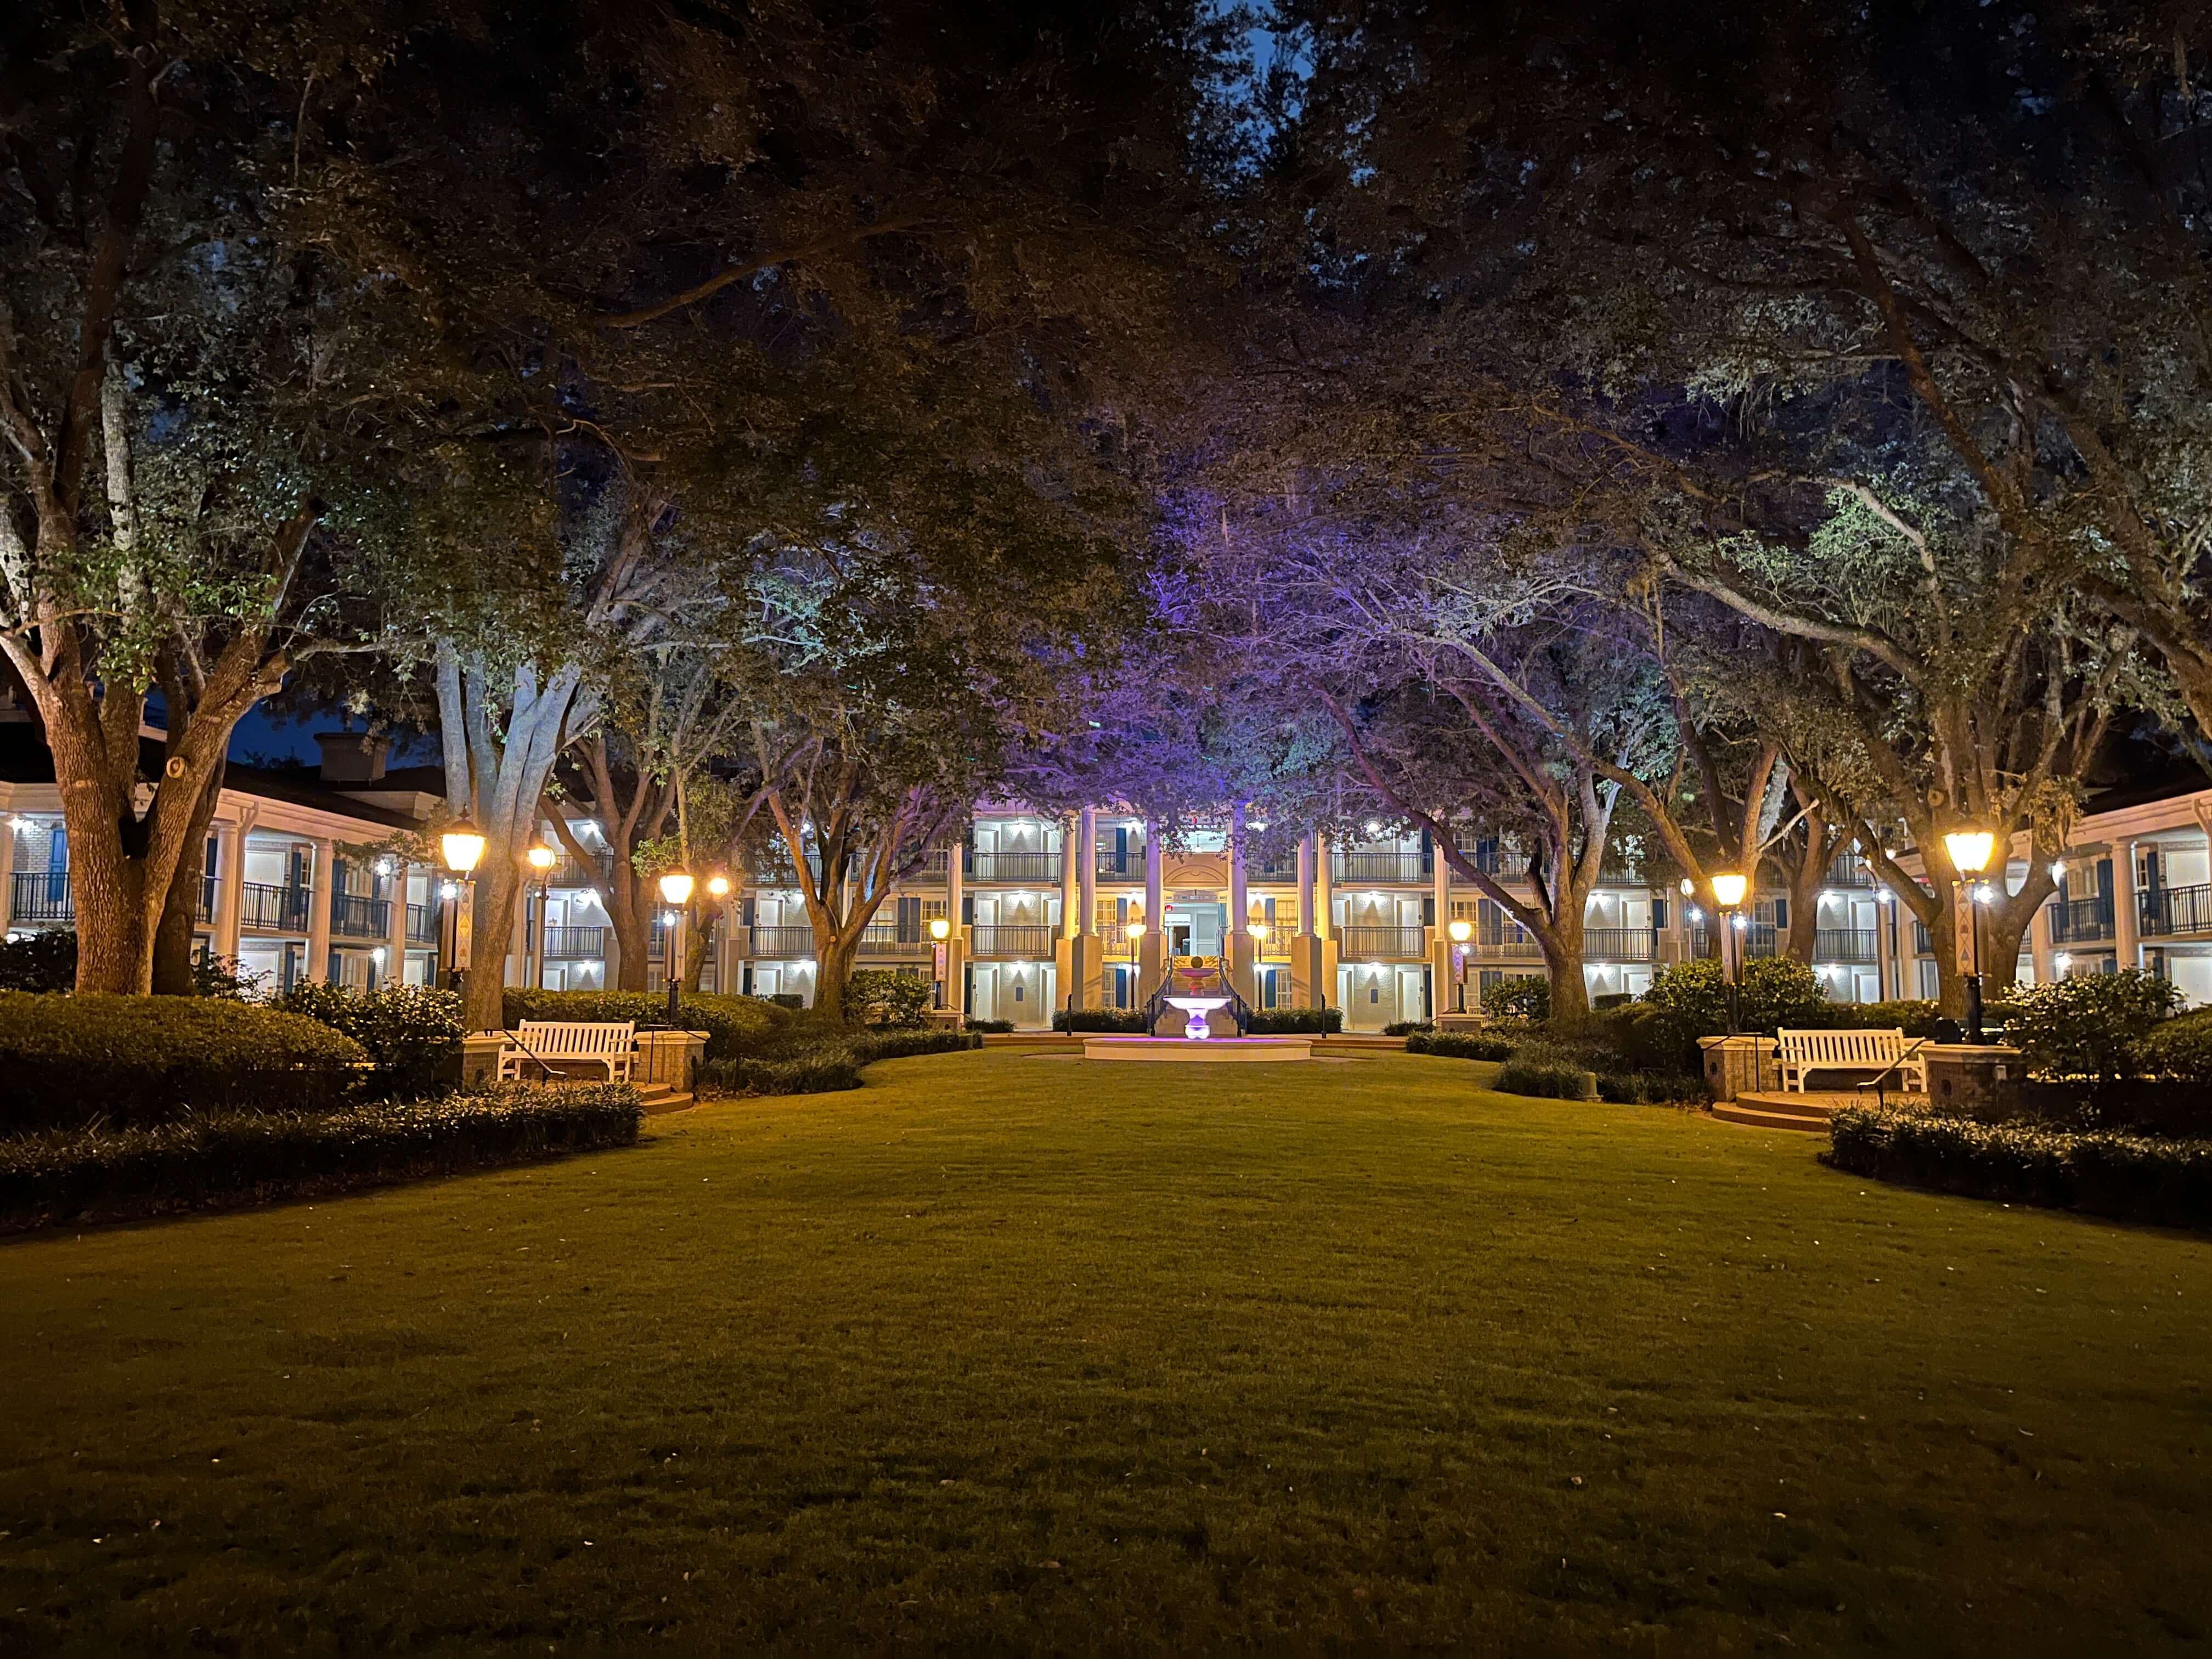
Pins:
x: 571, y: 1041
x: 1848, y: 1051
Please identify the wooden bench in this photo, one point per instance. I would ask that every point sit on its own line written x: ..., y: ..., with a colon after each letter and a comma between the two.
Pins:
x: 560, y: 1043
x: 1801, y: 1052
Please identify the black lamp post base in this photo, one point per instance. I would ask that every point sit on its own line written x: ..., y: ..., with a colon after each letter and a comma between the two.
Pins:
x: 1973, y: 1008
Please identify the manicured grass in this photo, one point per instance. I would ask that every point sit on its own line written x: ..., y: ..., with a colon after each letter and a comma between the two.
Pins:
x: 1007, y: 1352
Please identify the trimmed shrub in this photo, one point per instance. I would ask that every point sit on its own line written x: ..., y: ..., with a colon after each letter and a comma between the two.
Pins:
x: 1122, y: 1020
x: 1611, y: 1000
x: 130, y: 1062
x: 1649, y: 1088
x: 1407, y: 1027
x: 1297, y: 1022
x: 2179, y: 1047
x: 1526, y: 997
x: 1545, y: 1071
x: 905, y: 1045
x: 1916, y: 1017
x: 1461, y: 1045
x: 230, y: 1158
x: 829, y: 1060
x: 884, y: 996
x: 999, y: 1026
x: 413, y: 1033
x: 2135, y: 1177
x: 2090, y: 1027
x: 733, y: 1025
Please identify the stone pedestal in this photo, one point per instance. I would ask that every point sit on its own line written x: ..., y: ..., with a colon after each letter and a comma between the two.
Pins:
x: 1450, y: 1022
x: 1739, y: 1065
x: 480, y: 1059
x: 1974, y: 1077
x: 668, y: 1058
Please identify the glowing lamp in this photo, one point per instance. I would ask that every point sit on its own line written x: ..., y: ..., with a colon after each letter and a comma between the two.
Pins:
x: 1257, y: 929
x: 1729, y: 889
x: 2059, y: 869
x: 2061, y: 961
x: 463, y: 846
x: 1135, y: 931
x: 1969, y: 850
x: 718, y: 886
x: 542, y: 858
x: 676, y: 887
x: 1460, y: 930
x: 939, y: 929
x: 1688, y: 887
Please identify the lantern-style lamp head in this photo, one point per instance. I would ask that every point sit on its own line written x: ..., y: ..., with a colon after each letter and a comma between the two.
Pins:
x: 463, y: 845
x: 542, y: 858
x: 1969, y: 850
x: 676, y: 887
x: 1688, y: 887
x: 1136, y: 930
x: 718, y: 886
x: 940, y: 928
x: 1460, y: 930
x: 1728, y: 890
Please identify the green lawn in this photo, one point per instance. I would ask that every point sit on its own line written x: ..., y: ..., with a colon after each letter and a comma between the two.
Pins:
x: 1006, y: 1352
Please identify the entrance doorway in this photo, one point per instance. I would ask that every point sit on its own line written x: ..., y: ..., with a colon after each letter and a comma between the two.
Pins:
x: 1194, y: 926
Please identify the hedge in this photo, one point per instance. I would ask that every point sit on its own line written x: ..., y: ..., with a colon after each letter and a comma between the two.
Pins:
x: 2180, y: 1048
x: 1297, y: 1022
x: 733, y: 1025
x: 220, y: 1158
x: 68, y: 1062
x: 1538, y: 1069
x: 1122, y: 1020
x: 2133, y: 1177
x: 411, y: 1033
x: 828, y: 1065
x: 1461, y: 1045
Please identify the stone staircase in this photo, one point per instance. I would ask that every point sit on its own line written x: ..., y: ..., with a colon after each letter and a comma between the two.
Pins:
x: 1772, y: 1109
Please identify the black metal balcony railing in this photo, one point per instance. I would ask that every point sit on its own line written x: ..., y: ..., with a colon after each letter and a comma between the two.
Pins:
x: 1498, y: 948
x: 1109, y: 868
x: 277, y: 909
x: 1844, y: 945
x: 573, y: 943
x: 1619, y: 944
x: 2169, y: 910
x: 883, y: 938
x: 1116, y: 947
x: 1015, y: 866
x: 1845, y: 869
x: 354, y: 916
x: 422, y: 924
x: 1027, y: 940
x: 1355, y: 865
x: 1274, y: 870
x: 1384, y: 944
x: 783, y: 941
x: 41, y: 896
x: 937, y: 864
x: 2075, y: 920
x: 1761, y: 939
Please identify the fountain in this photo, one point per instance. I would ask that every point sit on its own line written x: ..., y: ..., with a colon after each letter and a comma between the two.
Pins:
x: 1195, y: 1009
x: 1197, y: 988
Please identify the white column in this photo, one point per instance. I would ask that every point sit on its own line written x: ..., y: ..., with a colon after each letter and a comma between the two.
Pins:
x: 1324, y: 923
x: 1151, y: 953
x: 1441, y: 998
x: 2127, y: 944
x: 395, y: 926
x: 956, y: 942
x: 1066, y: 962
x: 322, y: 893
x: 1240, y: 951
x: 7, y: 873
x: 230, y: 882
x: 1086, y: 956
x: 2039, y: 943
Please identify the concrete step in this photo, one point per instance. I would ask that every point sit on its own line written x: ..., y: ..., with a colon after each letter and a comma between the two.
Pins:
x: 1759, y: 1117
x: 658, y: 1098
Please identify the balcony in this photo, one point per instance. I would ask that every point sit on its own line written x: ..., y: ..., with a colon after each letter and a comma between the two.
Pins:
x: 357, y: 916
x: 783, y: 942
x: 883, y: 938
x: 1845, y: 869
x: 274, y: 909
x: 422, y: 924
x: 1382, y: 944
x: 1357, y: 866
x: 1014, y: 867
x: 1116, y: 947
x: 1022, y: 940
x: 1617, y: 944
x: 2080, y: 922
x: 41, y: 896
x: 1762, y: 939
x: 2167, y: 911
x: 1274, y: 871
x: 571, y: 944
x: 1502, y: 948
x: 1844, y: 945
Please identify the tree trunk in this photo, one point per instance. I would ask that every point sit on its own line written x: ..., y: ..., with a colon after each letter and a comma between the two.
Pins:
x: 1807, y: 879
x: 484, y: 984
x: 1562, y: 965
x: 633, y: 926
x: 172, y: 940
x: 109, y: 880
x: 833, y: 969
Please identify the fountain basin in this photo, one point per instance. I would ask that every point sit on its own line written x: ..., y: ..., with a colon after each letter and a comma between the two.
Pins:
x: 1213, y: 1050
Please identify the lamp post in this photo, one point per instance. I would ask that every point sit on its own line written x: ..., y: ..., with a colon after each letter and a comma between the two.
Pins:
x: 1729, y: 889
x: 676, y: 893
x: 718, y: 889
x: 1135, y: 931
x: 463, y: 845
x: 542, y: 858
x: 1970, y: 852
x: 1460, y: 930
x: 940, y: 929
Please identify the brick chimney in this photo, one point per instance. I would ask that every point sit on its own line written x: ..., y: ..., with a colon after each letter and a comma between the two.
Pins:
x: 352, y: 757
